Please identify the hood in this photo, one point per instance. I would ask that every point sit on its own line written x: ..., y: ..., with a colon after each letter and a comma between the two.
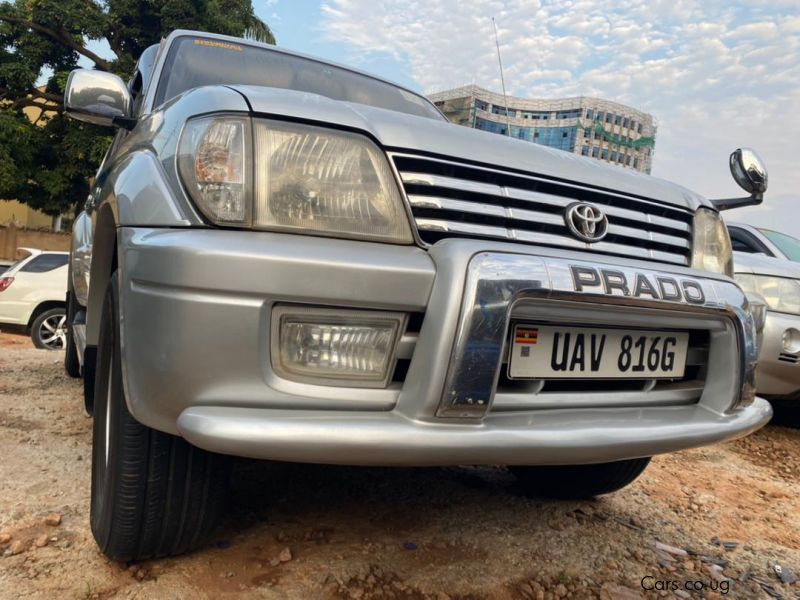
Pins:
x: 761, y: 264
x: 400, y: 131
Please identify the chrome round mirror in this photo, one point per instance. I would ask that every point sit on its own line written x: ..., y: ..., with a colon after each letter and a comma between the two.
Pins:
x: 749, y: 171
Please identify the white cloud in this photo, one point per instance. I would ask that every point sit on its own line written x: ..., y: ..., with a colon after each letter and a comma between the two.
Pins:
x: 716, y: 73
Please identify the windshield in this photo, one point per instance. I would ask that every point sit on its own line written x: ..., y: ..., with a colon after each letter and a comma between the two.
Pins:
x: 194, y: 62
x: 787, y: 244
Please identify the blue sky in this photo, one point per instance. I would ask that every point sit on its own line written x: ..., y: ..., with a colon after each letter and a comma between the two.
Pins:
x: 716, y: 74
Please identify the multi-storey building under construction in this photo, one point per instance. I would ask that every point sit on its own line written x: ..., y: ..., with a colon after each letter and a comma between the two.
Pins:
x: 594, y: 127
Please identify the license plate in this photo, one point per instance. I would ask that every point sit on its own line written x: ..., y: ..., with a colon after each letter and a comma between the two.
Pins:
x: 552, y: 352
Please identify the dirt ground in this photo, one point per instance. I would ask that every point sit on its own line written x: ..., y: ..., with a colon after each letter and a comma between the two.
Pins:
x: 721, y: 517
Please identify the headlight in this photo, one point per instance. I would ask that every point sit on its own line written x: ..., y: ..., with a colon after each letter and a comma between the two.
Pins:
x: 212, y: 160
x: 305, y: 179
x: 711, y: 247
x: 782, y: 294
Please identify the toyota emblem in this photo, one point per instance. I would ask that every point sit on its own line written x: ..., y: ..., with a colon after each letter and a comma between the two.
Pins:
x: 586, y: 222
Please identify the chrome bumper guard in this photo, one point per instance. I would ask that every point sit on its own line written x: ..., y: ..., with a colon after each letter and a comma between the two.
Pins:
x: 500, y: 284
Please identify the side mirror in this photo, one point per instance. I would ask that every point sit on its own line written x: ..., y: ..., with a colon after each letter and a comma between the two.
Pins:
x: 749, y: 171
x: 98, y: 97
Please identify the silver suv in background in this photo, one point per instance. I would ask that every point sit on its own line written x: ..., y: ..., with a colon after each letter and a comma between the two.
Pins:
x: 287, y: 259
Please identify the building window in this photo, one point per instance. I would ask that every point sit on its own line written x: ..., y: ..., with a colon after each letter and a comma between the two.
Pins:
x: 595, y: 151
x: 621, y: 158
x: 589, y: 113
x: 616, y: 137
x: 608, y: 117
x: 481, y: 105
x: 635, y: 163
x: 599, y: 115
x: 613, y: 156
x: 604, y: 154
x: 537, y: 116
x: 625, y: 122
x: 628, y: 160
x: 639, y: 128
x: 585, y: 151
x: 568, y: 114
x: 587, y: 133
x: 617, y: 120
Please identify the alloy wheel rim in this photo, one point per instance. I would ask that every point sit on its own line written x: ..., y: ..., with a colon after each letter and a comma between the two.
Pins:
x: 53, y: 332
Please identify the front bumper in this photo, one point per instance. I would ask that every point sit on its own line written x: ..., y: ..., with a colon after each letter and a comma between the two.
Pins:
x: 196, y: 308
x: 778, y: 373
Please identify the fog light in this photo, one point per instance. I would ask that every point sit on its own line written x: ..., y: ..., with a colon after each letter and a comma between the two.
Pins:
x: 351, y: 348
x: 791, y: 341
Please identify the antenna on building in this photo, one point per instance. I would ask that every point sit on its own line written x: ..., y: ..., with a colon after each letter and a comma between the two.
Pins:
x: 502, y: 77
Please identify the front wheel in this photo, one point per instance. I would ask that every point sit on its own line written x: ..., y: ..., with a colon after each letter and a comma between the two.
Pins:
x: 153, y: 494
x: 49, y: 329
x: 579, y: 481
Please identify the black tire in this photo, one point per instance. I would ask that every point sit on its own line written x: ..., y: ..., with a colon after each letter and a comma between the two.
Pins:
x: 786, y: 413
x: 43, y: 333
x: 153, y: 494
x: 578, y: 481
x: 72, y: 364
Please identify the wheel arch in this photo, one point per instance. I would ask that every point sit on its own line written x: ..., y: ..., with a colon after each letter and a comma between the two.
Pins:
x: 45, y: 306
x: 104, y: 262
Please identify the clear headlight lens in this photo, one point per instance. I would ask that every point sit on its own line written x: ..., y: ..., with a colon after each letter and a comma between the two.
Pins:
x: 212, y: 160
x: 324, y: 181
x: 782, y: 294
x: 711, y: 247
x: 305, y: 179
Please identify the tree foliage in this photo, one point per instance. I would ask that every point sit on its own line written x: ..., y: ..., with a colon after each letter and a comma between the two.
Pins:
x: 46, y: 159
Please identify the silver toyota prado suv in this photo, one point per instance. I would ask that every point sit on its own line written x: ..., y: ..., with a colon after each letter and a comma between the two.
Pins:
x: 286, y: 259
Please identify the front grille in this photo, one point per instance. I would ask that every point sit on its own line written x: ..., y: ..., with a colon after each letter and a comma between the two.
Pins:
x: 450, y: 199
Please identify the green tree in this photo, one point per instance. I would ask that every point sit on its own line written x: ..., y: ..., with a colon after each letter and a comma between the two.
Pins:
x: 47, y: 163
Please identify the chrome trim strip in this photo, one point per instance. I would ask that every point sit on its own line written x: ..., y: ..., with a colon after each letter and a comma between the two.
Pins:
x: 534, y: 216
x: 497, y: 281
x: 490, y: 189
x: 568, y: 184
x: 549, y: 239
x: 405, y: 348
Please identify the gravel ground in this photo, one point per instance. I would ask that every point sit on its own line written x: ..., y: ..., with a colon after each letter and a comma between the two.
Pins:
x: 719, y: 517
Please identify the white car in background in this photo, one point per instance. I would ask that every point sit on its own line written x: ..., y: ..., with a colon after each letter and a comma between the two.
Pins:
x: 747, y: 239
x: 32, y: 295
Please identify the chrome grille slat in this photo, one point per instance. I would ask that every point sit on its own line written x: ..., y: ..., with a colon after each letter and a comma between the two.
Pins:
x: 559, y: 202
x: 445, y: 205
x: 539, y: 237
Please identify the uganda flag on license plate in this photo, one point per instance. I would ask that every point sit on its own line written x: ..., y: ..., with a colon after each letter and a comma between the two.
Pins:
x: 526, y: 335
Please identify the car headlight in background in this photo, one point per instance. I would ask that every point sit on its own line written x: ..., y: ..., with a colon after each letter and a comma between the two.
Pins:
x: 711, y: 247
x: 781, y: 294
x: 305, y: 179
